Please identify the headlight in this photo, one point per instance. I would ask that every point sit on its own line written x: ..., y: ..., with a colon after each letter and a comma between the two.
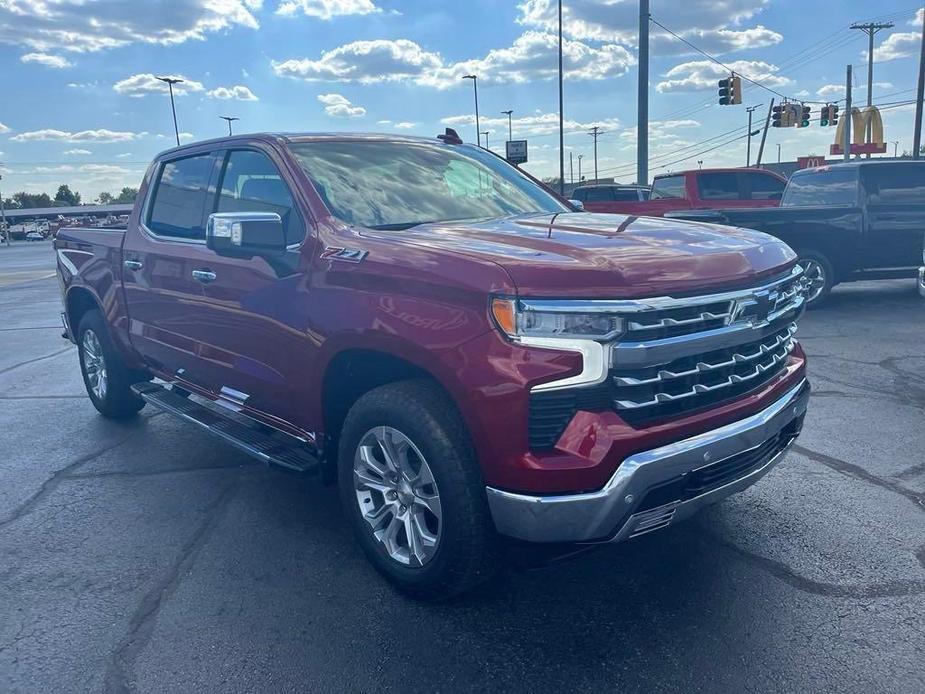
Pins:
x: 553, y: 319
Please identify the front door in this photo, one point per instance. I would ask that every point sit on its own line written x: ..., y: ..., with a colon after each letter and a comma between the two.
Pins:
x: 895, y: 209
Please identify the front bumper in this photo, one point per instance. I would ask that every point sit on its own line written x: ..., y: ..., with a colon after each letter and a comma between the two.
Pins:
x: 922, y: 281
x: 652, y: 489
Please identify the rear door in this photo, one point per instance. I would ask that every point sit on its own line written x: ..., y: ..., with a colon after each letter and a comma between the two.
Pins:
x: 598, y: 198
x: 669, y: 193
x: 763, y: 189
x: 159, y: 256
x: 895, y: 214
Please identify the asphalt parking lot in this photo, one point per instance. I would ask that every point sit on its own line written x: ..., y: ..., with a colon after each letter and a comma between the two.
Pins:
x: 144, y: 556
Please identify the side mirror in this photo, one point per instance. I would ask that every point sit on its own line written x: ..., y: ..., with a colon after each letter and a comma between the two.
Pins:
x: 577, y: 204
x: 245, y: 233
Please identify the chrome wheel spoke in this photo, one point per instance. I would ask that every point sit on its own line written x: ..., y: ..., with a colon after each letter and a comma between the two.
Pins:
x: 94, y: 364
x: 432, y: 504
x: 364, y: 480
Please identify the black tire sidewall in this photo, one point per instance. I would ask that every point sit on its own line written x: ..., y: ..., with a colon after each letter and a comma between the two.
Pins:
x: 826, y: 266
x: 119, y: 401
x: 452, y: 465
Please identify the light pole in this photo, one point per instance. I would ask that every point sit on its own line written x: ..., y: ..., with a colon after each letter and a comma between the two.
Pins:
x: 748, y: 149
x: 895, y: 149
x: 700, y: 163
x: 229, y: 119
x: 778, y: 153
x: 170, y: 82
x: 475, y: 88
x: 510, y: 128
x: 4, y: 231
x: 579, y: 167
x: 485, y: 133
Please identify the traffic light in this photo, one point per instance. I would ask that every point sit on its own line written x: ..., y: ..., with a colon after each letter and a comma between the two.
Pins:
x: 805, y: 114
x: 730, y: 91
x: 833, y: 114
x: 824, y: 116
x: 777, y: 117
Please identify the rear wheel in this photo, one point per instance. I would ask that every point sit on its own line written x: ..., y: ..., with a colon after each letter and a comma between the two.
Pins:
x: 107, y: 379
x: 413, y: 491
x: 818, y: 271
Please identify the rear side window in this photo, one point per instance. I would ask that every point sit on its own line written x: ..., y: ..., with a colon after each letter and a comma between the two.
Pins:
x: 668, y: 187
x: 718, y: 186
x: 764, y: 187
x: 601, y: 194
x: 180, y: 197
x: 252, y: 183
x: 901, y: 184
x: 626, y: 194
x: 823, y: 186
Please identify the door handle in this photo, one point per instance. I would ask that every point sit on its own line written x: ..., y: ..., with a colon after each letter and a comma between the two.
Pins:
x: 204, y: 276
x: 132, y: 264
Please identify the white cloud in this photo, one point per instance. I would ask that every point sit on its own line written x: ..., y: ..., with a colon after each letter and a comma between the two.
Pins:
x: 327, y: 9
x: 124, y: 155
x: 532, y: 56
x: 79, y: 26
x: 339, y: 106
x: 77, y: 152
x: 919, y: 18
x: 837, y: 91
x: 101, y: 135
x: 46, y: 59
x: 900, y: 44
x: 537, y: 124
x: 661, y: 131
x: 4, y: 128
x: 187, y: 136
x: 704, y: 22
x: 237, y: 92
x: 405, y: 125
x: 704, y: 74
x: 145, y: 83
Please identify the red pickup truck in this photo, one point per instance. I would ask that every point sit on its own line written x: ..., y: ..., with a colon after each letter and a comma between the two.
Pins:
x: 466, y: 356
x: 689, y: 190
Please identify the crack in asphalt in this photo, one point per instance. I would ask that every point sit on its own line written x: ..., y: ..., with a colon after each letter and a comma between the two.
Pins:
x: 890, y: 589
x: 157, y: 473
x: 43, y: 397
x: 859, y: 473
x: 141, y: 625
x: 32, y: 361
x: 37, y: 327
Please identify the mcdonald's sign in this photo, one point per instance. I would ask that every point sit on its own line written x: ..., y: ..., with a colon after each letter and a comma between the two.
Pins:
x: 859, y: 142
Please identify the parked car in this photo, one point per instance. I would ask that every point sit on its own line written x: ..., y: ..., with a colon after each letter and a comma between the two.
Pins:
x: 467, y: 356
x: 600, y: 197
x: 855, y: 221
x: 706, y: 188
x: 35, y: 236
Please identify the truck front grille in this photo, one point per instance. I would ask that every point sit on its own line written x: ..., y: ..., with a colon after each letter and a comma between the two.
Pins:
x: 680, y: 355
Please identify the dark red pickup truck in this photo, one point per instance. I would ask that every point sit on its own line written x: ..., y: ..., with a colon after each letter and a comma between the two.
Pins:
x: 465, y: 355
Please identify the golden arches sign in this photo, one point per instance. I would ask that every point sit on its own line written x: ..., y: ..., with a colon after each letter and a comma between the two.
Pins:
x: 859, y: 122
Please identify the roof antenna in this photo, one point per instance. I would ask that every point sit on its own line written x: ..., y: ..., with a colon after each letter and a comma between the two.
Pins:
x: 451, y: 137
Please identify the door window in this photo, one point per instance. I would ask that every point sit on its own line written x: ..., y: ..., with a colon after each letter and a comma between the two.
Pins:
x: 668, y: 187
x: 764, y: 187
x: 828, y: 185
x: 251, y: 183
x: 900, y: 184
x: 626, y: 195
x: 599, y: 194
x: 721, y: 185
x: 180, y: 197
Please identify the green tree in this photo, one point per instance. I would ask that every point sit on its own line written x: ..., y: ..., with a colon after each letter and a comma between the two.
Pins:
x: 66, y: 197
x: 126, y: 196
x: 25, y: 201
x: 105, y: 198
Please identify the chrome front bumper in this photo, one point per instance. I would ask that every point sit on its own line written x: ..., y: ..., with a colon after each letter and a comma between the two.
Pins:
x: 611, y: 514
x: 922, y: 281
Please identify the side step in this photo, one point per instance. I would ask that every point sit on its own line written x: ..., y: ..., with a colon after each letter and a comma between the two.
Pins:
x: 270, y: 445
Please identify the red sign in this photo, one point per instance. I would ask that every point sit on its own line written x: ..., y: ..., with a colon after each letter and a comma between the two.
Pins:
x: 866, y: 148
x: 811, y: 162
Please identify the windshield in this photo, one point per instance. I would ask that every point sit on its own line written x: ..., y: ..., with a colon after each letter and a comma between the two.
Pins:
x: 395, y: 185
x: 822, y: 186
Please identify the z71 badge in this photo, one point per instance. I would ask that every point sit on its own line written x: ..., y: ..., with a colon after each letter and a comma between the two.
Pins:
x: 350, y: 255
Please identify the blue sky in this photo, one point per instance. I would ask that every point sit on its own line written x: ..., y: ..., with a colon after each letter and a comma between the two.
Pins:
x: 81, y: 106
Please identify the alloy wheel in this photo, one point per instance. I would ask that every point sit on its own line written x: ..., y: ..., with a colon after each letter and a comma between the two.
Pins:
x: 397, y: 496
x: 814, y: 274
x: 94, y: 364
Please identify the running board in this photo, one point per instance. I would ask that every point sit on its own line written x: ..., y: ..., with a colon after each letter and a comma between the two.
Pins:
x: 270, y: 445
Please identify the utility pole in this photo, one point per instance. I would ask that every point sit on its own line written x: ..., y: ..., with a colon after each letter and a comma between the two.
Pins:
x: 870, y: 29
x: 229, y: 119
x: 895, y: 149
x: 917, y: 133
x: 642, y: 99
x: 475, y: 88
x: 485, y: 133
x: 571, y: 169
x: 561, y: 114
x: 847, y: 116
x: 170, y: 81
x: 748, y: 147
x: 510, y: 128
x: 4, y: 230
x: 579, y: 167
x: 595, y: 132
x: 764, y: 136
x: 778, y: 153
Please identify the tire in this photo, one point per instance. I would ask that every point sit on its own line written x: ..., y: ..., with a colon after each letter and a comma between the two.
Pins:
x: 423, y: 427
x: 106, y: 377
x: 822, y: 273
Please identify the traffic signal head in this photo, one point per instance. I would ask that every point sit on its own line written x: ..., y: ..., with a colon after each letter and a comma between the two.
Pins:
x: 736, y: 85
x: 725, y: 92
x: 824, y: 116
x: 805, y: 114
x: 833, y: 114
x: 776, y: 117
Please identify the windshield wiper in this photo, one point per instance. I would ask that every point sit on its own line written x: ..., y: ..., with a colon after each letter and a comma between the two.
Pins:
x: 395, y: 227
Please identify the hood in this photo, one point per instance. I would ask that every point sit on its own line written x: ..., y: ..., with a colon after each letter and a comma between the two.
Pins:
x: 616, y: 256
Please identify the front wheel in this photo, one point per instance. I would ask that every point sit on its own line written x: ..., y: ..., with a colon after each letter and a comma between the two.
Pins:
x: 107, y: 379
x: 821, y: 277
x: 413, y: 491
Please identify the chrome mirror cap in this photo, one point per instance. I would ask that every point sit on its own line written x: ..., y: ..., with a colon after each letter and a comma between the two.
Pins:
x: 230, y: 225
x: 577, y: 204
